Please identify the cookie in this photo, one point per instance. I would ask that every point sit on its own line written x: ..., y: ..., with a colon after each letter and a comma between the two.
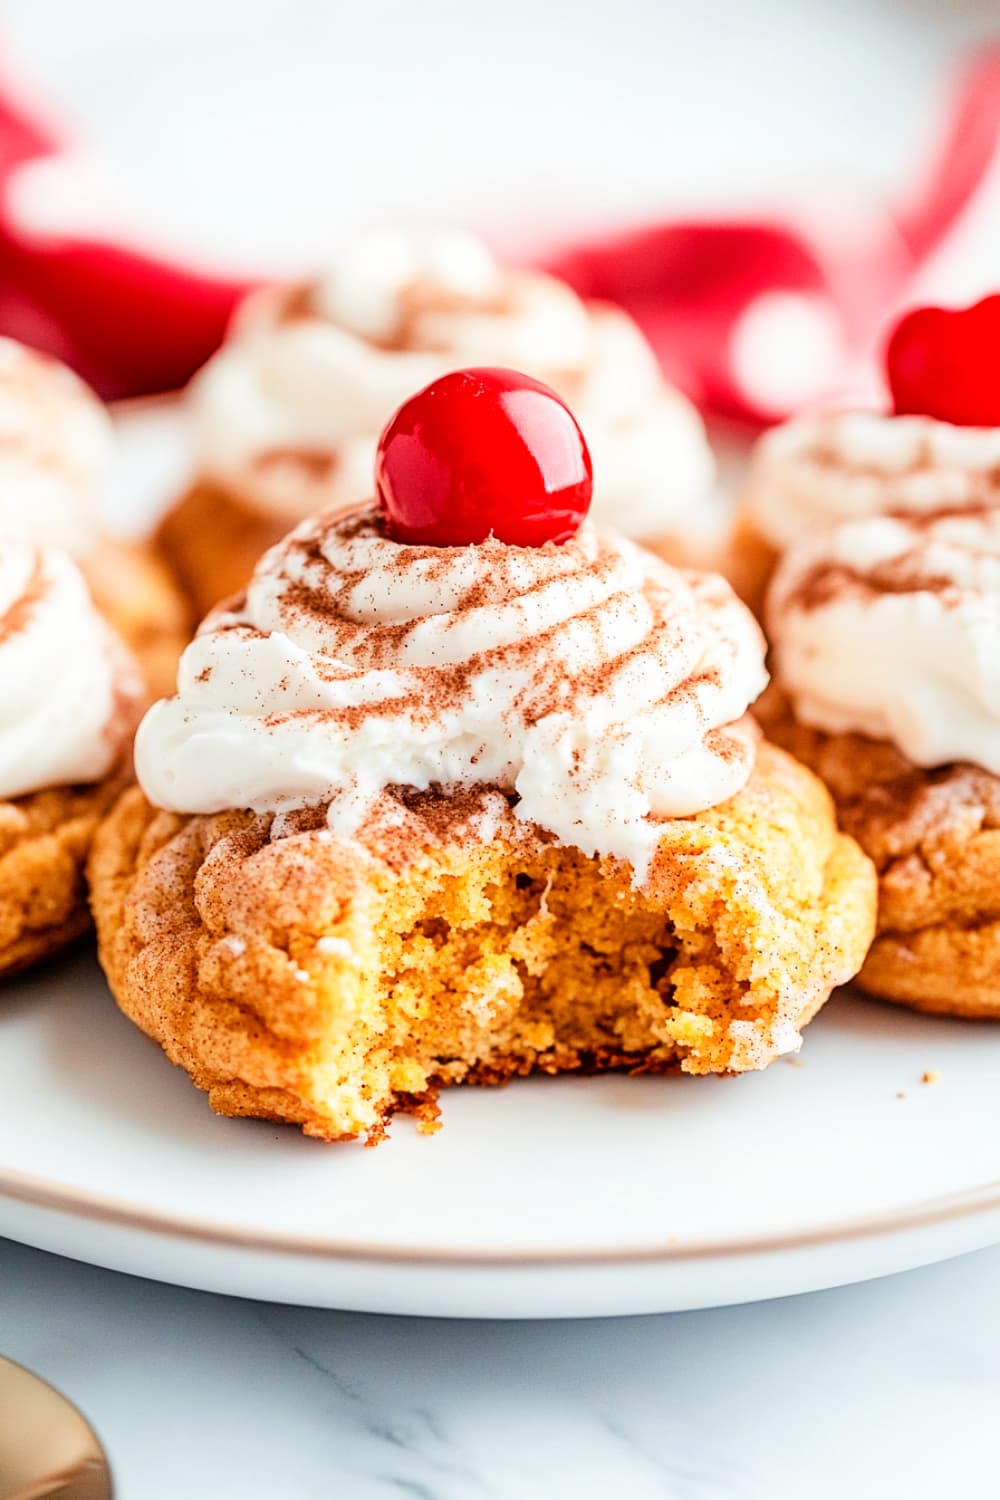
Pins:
x: 45, y: 838
x: 136, y: 593
x: 934, y: 837
x: 329, y: 983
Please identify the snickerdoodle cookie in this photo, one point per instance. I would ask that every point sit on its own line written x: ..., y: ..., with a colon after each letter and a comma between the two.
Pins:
x: 55, y: 455
x: 286, y: 416
x: 445, y: 810
x: 70, y: 700
x: 328, y: 981
x: 887, y: 655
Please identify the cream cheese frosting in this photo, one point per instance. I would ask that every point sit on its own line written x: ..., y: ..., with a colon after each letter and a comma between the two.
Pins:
x: 55, y: 452
x: 889, y: 627
x: 64, y: 679
x: 289, y: 411
x: 603, y: 688
x: 818, y: 470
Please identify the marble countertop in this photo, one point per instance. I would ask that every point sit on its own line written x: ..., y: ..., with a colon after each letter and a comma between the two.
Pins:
x: 888, y: 1388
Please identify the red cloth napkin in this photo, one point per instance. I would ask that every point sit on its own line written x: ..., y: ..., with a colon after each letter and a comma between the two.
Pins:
x: 753, y: 318
x: 130, y: 323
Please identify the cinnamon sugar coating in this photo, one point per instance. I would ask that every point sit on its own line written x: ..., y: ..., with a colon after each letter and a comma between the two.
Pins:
x: 45, y: 838
x: 934, y: 836
x: 330, y: 983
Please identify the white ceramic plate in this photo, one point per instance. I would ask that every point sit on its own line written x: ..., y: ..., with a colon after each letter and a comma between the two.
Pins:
x: 546, y: 1198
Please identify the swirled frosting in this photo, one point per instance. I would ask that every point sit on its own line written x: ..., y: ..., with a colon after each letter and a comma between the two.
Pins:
x: 602, y: 687
x: 55, y: 452
x: 889, y: 627
x: 67, y: 689
x: 288, y: 413
x: 818, y: 470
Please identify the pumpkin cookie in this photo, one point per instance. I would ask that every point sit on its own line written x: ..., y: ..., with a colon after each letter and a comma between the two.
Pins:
x: 63, y: 747
x: 286, y: 416
x: 462, y: 789
x: 329, y: 981
x: 886, y: 636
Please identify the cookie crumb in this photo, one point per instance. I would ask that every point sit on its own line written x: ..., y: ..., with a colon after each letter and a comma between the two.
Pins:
x: 930, y: 1076
x: 900, y: 1096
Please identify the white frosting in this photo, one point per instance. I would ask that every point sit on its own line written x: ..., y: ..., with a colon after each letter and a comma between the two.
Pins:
x: 890, y: 627
x: 394, y: 313
x: 818, y: 470
x: 55, y: 452
x: 63, y: 676
x: 604, y: 688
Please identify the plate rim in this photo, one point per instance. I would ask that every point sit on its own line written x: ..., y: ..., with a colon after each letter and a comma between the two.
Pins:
x: 112, y: 1213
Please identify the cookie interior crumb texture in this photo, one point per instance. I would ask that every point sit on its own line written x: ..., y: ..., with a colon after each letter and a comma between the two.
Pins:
x: 325, y: 982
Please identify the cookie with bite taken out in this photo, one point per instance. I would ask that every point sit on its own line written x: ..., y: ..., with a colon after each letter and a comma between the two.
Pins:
x: 464, y: 788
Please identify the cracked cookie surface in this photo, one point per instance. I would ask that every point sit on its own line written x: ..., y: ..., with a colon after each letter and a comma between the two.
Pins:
x: 45, y: 838
x: 934, y: 837
x: 330, y: 982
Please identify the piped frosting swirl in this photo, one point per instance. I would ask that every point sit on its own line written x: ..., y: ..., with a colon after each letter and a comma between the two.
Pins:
x: 602, y: 688
x: 288, y: 413
x: 67, y: 689
x: 55, y: 452
x: 818, y: 470
x: 889, y: 627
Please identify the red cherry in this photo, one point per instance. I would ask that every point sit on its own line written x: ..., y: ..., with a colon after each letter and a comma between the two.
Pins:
x: 481, y: 453
x: 944, y: 364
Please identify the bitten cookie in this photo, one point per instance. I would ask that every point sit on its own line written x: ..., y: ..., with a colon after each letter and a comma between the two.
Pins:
x: 464, y: 788
x: 330, y: 982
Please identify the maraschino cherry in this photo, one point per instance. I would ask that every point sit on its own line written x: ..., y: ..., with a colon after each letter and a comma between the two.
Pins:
x: 479, y: 453
x: 943, y: 363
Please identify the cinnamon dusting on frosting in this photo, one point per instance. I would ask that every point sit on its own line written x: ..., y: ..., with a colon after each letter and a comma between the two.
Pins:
x: 601, y: 687
x: 822, y: 469
x: 18, y: 614
x: 68, y: 690
x: 887, y: 627
x: 825, y: 583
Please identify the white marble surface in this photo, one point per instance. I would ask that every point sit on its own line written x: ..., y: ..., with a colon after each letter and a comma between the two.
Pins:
x: 885, y: 1389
